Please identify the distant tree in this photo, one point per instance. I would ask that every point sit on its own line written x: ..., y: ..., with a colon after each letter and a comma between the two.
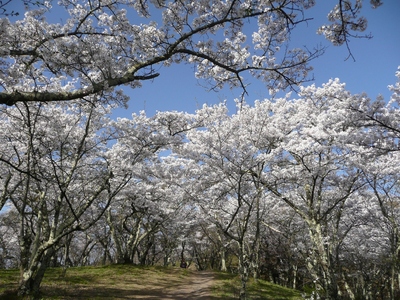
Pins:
x: 9, y: 229
x: 227, y: 196
x: 151, y: 200
x: 104, y: 44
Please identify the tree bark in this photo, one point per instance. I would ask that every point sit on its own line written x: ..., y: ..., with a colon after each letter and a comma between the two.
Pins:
x: 119, y: 256
x: 244, y: 271
x: 32, y: 277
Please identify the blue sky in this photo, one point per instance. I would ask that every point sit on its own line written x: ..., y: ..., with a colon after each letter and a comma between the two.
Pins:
x: 376, y: 61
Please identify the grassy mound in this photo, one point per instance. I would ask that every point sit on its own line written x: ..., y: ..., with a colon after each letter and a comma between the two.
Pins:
x: 227, y: 287
x: 132, y: 282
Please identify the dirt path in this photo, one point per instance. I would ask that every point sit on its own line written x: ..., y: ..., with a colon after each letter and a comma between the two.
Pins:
x: 131, y: 283
x: 193, y: 286
x: 196, y: 287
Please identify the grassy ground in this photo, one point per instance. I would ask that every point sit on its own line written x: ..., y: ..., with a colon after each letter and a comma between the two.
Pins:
x: 129, y: 282
x: 227, y: 287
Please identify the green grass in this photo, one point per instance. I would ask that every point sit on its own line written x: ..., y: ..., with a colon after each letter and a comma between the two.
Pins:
x: 128, y: 281
x: 8, y: 278
x: 227, y: 287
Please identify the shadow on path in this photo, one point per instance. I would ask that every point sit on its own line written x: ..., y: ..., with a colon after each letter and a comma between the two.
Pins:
x: 197, y: 288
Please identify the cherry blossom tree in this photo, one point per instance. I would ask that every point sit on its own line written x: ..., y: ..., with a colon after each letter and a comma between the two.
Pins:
x: 312, y: 173
x: 5, y: 4
x: 151, y: 201
x: 227, y: 196
x: 380, y: 170
x: 63, y: 181
x: 284, y: 246
x: 315, y: 177
x: 103, y: 44
x: 301, y: 151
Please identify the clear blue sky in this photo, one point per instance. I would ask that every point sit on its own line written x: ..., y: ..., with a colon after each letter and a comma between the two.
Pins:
x: 376, y: 62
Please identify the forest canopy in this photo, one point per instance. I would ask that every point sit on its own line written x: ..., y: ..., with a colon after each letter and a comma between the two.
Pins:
x: 302, y: 189
x: 102, y: 44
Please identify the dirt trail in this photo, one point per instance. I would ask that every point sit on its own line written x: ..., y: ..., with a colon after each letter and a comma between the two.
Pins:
x: 195, y: 286
x: 175, y: 284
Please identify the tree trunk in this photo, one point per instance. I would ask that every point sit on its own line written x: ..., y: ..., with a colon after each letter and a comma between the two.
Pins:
x: 144, y: 256
x: 319, y: 263
x: 255, y: 251
x: 167, y: 257
x: 348, y: 288
x: 244, y: 271
x: 223, y: 259
x: 294, y: 274
x: 67, y: 259
x: 222, y: 254
x: 32, y: 277
x: 119, y: 255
